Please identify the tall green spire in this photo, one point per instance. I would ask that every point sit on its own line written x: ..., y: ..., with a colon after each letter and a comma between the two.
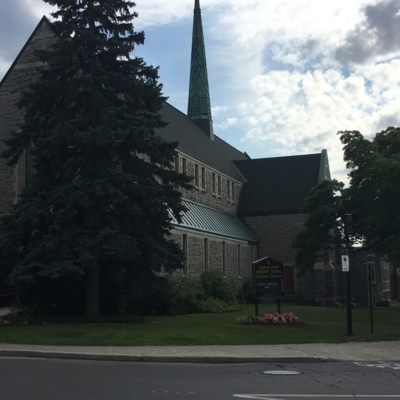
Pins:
x: 199, y: 105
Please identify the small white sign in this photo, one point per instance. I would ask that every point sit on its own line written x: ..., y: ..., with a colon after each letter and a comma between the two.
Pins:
x: 345, y: 264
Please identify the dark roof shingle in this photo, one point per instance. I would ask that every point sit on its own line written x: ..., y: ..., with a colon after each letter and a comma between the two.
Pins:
x: 277, y: 185
x: 194, y: 142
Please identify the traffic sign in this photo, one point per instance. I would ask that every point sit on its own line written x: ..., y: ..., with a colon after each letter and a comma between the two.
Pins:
x: 345, y: 264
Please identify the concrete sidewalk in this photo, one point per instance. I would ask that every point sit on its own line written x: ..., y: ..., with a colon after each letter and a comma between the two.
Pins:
x: 319, y: 352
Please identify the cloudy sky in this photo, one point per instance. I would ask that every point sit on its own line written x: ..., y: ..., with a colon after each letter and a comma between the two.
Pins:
x: 285, y: 75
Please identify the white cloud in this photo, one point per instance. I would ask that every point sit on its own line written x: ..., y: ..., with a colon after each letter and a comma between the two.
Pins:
x: 218, y: 110
x: 279, y: 89
x: 229, y: 122
x: 381, y: 76
x: 38, y: 8
x: 4, y: 65
x: 305, y: 110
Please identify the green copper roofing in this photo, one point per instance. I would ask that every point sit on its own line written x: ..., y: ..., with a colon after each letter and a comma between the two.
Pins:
x: 199, y: 105
x: 207, y: 220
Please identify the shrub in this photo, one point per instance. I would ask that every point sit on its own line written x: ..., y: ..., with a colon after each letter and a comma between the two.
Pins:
x: 245, y: 292
x: 384, y: 303
x: 216, y: 286
x: 353, y: 303
x: 211, y: 305
x: 187, y: 296
x: 213, y: 293
x: 148, y: 296
x: 338, y: 304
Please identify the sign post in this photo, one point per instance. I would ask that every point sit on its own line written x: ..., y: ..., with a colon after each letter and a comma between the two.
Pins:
x: 268, y: 280
x: 371, y: 317
x: 348, y: 295
x: 349, y: 230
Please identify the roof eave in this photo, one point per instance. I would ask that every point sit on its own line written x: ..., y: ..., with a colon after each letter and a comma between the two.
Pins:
x: 267, y: 213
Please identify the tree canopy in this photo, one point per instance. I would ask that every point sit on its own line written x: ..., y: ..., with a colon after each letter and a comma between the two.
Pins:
x: 372, y: 196
x: 97, y: 213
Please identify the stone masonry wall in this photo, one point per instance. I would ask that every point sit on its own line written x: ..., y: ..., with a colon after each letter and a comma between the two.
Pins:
x: 305, y: 287
x: 276, y: 233
x: 196, y: 264
x: 195, y: 256
x: 206, y: 195
x: 318, y: 285
x: 360, y: 279
x: 246, y: 260
x: 215, y: 254
x: 23, y: 73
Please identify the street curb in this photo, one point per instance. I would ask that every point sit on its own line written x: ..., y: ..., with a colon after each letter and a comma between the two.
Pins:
x: 163, y: 359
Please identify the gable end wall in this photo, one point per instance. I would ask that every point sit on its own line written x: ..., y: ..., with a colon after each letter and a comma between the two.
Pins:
x: 22, y: 73
x: 276, y: 233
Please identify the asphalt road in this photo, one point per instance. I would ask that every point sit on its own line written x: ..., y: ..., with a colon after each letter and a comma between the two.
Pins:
x: 54, y: 379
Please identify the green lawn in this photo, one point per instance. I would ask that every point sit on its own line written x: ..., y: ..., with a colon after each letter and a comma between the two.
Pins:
x: 326, y: 325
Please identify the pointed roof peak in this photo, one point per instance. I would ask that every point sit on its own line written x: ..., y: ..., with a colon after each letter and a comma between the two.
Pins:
x: 44, y: 20
x: 199, y: 105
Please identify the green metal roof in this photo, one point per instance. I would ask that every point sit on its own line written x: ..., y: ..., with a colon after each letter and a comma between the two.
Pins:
x: 199, y: 105
x: 210, y: 221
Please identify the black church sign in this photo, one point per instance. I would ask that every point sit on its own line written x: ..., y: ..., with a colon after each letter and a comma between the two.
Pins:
x: 268, y: 278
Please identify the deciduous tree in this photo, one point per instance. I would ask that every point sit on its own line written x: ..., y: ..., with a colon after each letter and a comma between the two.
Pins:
x: 372, y: 196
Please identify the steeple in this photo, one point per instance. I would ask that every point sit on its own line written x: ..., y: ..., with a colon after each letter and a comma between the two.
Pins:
x: 199, y: 105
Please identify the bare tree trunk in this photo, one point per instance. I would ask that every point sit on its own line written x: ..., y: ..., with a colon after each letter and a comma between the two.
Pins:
x: 123, y: 292
x: 92, y: 289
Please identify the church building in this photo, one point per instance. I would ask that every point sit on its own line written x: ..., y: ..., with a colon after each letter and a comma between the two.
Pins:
x: 240, y: 209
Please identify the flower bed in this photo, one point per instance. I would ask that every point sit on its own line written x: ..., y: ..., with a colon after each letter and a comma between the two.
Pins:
x: 9, y: 319
x: 275, y: 319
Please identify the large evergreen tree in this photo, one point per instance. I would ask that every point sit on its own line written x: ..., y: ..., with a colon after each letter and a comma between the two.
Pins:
x: 98, y: 208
